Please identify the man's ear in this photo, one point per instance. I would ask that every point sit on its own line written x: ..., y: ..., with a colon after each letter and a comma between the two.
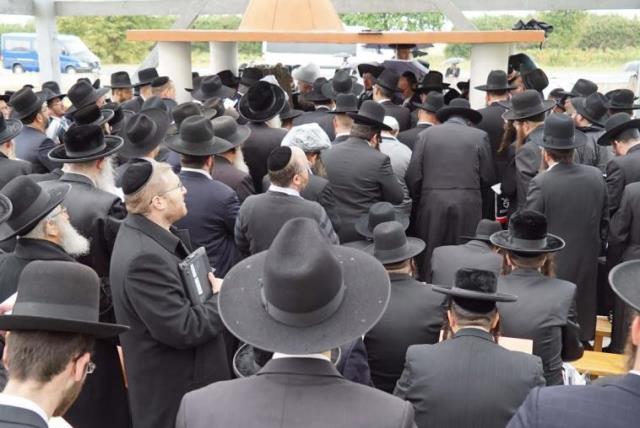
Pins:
x: 635, y: 330
x: 5, y: 359
x: 79, y: 367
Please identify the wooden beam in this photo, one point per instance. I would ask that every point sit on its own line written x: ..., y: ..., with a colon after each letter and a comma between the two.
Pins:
x: 472, y: 37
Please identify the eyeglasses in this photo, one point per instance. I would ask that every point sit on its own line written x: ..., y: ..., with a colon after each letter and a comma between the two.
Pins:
x: 178, y: 186
x: 91, y: 367
x: 62, y: 210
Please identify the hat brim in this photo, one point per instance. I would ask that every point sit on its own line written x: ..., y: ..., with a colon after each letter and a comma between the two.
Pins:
x: 215, y: 146
x: 221, y: 92
x: 475, y: 295
x: 36, y: 107
x: 579, y: 140
x: 264, y: 115
x: 105, y: 116
x: 503, y: 240
x: 414, y: 247
x: 5, y: 208
x: 54, y: 96
x: 621, y: 108
x: 240, y: 136
x: 33, y: 323
x: 425, y: 88
x: 111, y: 142
x: 483, y: 238
x: 366, y: 296
x: 624, y: 282
x: 57, y: 192
x: 161, y: 119
x: 580, y: 105
x: 426, y: 107
x: 291, y: 114
x: 447, y: 111
x: 13, y: 128
x: 487, y: 88
x: 375, y: 70
x: 512, y: 115
x: 368, y: 121
x: 362, y: 224
x: 328, y: 91
x: 608, y: 137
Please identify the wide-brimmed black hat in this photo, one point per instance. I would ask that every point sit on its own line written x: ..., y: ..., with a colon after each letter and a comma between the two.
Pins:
x: 31, y: 202
x: 5, y: 208
x: 484, y: 230
x: 374, y: 69
x: 560, y: 133
x: 496, y: 81
x: 83, y: 143
x: 229, y: 130
x: 432, y: 81
x: 54, y: 89
x: 9, y: 128
x: 433, y: 103
x: 24, y: 103
x: 520, y: 63
x: 262, y: 102
x: 228, y: 78
x: 388, y: 79
x: 459, y: 107
x: 146, y: 76
x: 197, y: 138
x: 288, y: 113
x: 82, y: 94
x: 120, y: 80
x: 6, y: 96
x: 370, y: 113
x: 527, y: 234
x: 451, y: 95
x: 475, y: 284
x: 316, y: 94
x: 593, y: 108
x: 119, y: 117
x: 144, y: 132
x: 72, y: 306
x: 619, y: 125
x: 624, y: 282
x: 345, y: 103
x: 380, y: 212
x: 526, y: 104
x: 535, y: 79
x: 211, y: 86
x: 341, y: 83
x: 621, y: 99
x: 251, y: 76
x: 181, y: 112
x: 582, y: 88
x: 91, y: 114
x: 303, y: 295
x: 391, y: 245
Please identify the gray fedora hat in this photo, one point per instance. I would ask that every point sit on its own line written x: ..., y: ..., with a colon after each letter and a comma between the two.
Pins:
x: 197, y: 138
x: 593, y: 108
x: 370, y: 113
x: 303, y: 295
x: 72, y: 306
x: 459, y: 107
x: 229, y: 130
x: 526, y: 104
x: 379, y: 212
x: 144, y: 132
x: 624, y: 282
x: 527, y: 234
x: 484, y: 230
x: 391, y: 244
x: 560, y: 133
x: 433, y: 103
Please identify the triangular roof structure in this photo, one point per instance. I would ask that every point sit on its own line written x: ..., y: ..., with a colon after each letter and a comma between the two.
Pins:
x: 291, y: 15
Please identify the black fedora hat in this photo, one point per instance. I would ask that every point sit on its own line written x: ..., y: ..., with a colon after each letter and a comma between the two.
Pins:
x: 374, y: 69
x: 5, y: 208
x: 593, y: 108
x: 391, y: 245
x: 484, y: 230
x: 617, y: 126
x: 432, y: 81
x: 181, y: 112
x: 582, y: 88
x: 341, y: 83
x: 526, y: 104
x: 251, y: 76
x: 195, y: 83
x: 527, y: 234
x: 303, y: 295
x: 229, y: 130
x: 451, y: 95
x: 146, y: 76
x: 316, y: 94
x: 31, y: 202
x: 83, y: 143
x: 25, y: 102
x: 82, y: 94
x: 91, y: 115
x: 9, y: 128
x: 144, y: 132
x: 120, y: 80
x: 624, y: 282
x: 262, y: 102
x: 496, y: 81
x: 475, y: 284
x: 459, y: 107
x: 535, y: 79
x: 54, y: 89
x: 228, y: 78
x: 211, y: 86
x: 370, y: 113
x: 119, y: 117
x: 380, y: 212
x: 72, y: 306
x: 388, y: 79
x: 345, y: 103
x: 433, y: 102
x: 197, y: 138
x: 621, y: 99
x: 289, y: 113
x: 560, y: 133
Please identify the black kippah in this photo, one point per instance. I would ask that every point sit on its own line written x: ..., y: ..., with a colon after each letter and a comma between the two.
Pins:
x: 279, y: 158
x: 159, y: 81
x: 136, y: 176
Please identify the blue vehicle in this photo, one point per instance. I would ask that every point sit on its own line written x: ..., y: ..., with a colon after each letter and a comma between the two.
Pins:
x: 19, y: 53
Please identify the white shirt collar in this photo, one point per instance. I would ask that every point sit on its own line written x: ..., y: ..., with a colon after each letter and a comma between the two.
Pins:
x: 384, y: 100
x: 199, y: 171
x: 635, y: 372
x: 551, y: 166
x: 323, y: 107
x: 287, y: 190
x: 23, y: 403
x: 343, y: 134
x: 424, y: 122
x: 278, y: 355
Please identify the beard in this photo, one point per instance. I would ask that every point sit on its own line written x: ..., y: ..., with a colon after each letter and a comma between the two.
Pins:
x: 106, y: 179
x: 68, y: 399
x: 239, y: 162
x: 72, y: 241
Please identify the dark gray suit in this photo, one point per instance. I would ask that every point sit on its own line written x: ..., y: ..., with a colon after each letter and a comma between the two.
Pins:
x: 493, y: 124
x: 574, y: 199
x: 320, y: 116
x: 528, y: 159
x: 544, y: 308
x: 467, y: 381
x: 401, y: 114
x: 360, y: 176
x: 622, y: 170
x: 33, y: 146
x: 340, y: 139
x: 446, y: 260
x: 612, y: 403
x: 18, y: 417
x: 257, y: 148
x: 293, y: 393
x: 590, y: 153
x: 410, y: 136
x: 240, y: 181
x: 12, y: 168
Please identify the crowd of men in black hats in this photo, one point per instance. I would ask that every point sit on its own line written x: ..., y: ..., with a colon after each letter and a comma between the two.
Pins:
x: 363, y: 245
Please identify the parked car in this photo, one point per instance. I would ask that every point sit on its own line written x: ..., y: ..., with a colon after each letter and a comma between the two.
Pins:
x: 19, y: 53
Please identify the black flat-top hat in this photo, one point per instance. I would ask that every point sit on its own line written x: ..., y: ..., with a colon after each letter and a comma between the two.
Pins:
x: 342, y: 83
x: 582, y: 88
x: 391, y: 245
x: 263, y: 101
x: 484, y: 230
x: 432, y: 81
x: 144, y: 132
x: 146, y: 76
x: 288, y: 113
x: 303, y: 295
x: 211, y: 86
x: 197, y: 138
x: 316, y: 94
x: 593, y: 108
x: 120, y: 80
x: 535, y: 79
x: 374, y: 69
x: 82, y: 94
x: 526, y: 104
x: 527, y: 234
x: 54, y: 89
x: 119, y: 118
x: 25, y: 102
x: 433, y: 103
x: 31, y: 202
x: 345, y: 103
x: 621, y: 99
x: 5, y: 208
x: 496, y: 81
x: 624, y: 282
x: 370, y: 113
x: 475, y: 290
x: 83, y: 143
x: 380, y: 212
x: 619, y: 126
x: 520, y: 63
x: 9, y: 128
x: 560, y: 133
x: 91, y: 114
x: 459, y: 107
x: 388, y: 79
x: 71, y: 306
x: 228, y: 129
x: 228, y: 78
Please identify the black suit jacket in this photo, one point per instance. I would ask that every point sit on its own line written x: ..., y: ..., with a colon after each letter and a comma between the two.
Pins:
x: 18, y: 417
x: 33, y: 146
x: 293, y: 393
x: 410, y: 136
x: 624, y: 230
x: 622, y: 170
x: 414, y: 316
x: 493, y: 124
x: 472, y: 369
x: 340, y: 139
x: 173, y: 346
x: 402, y: 114
x: 257, y: 148
x: 447, y: 259
x: 240, y: 181
x: 134, y: 104
x: 12, y: 168
x: 320, y: 116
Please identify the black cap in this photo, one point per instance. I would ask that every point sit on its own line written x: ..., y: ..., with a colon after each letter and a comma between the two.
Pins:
x: 136, y: 176
x: 279, y: 158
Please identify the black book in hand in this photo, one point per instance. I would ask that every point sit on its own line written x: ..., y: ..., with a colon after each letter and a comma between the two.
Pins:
x: 195, y: 276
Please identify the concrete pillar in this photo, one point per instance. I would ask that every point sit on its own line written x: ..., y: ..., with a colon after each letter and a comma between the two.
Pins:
x: 223, y: 56
x: 485, y: 58
x: 174, y: 60
x: 46, y: 45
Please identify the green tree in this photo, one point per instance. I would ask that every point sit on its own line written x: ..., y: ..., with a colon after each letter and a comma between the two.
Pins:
x: 396, y: 21
x: 568, y: 27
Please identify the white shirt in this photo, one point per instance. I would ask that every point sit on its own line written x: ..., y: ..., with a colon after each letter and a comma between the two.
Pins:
x: 635, y: 372
x: 424, y: 122
x: 200, y: 171
x: 287, y: 190
x: 343, y: 133
x: 278, y: 355
x: 383, y: 100
x: 23, y: 403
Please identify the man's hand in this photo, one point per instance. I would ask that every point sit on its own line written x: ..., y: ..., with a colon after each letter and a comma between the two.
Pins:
x: 216, y: 283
